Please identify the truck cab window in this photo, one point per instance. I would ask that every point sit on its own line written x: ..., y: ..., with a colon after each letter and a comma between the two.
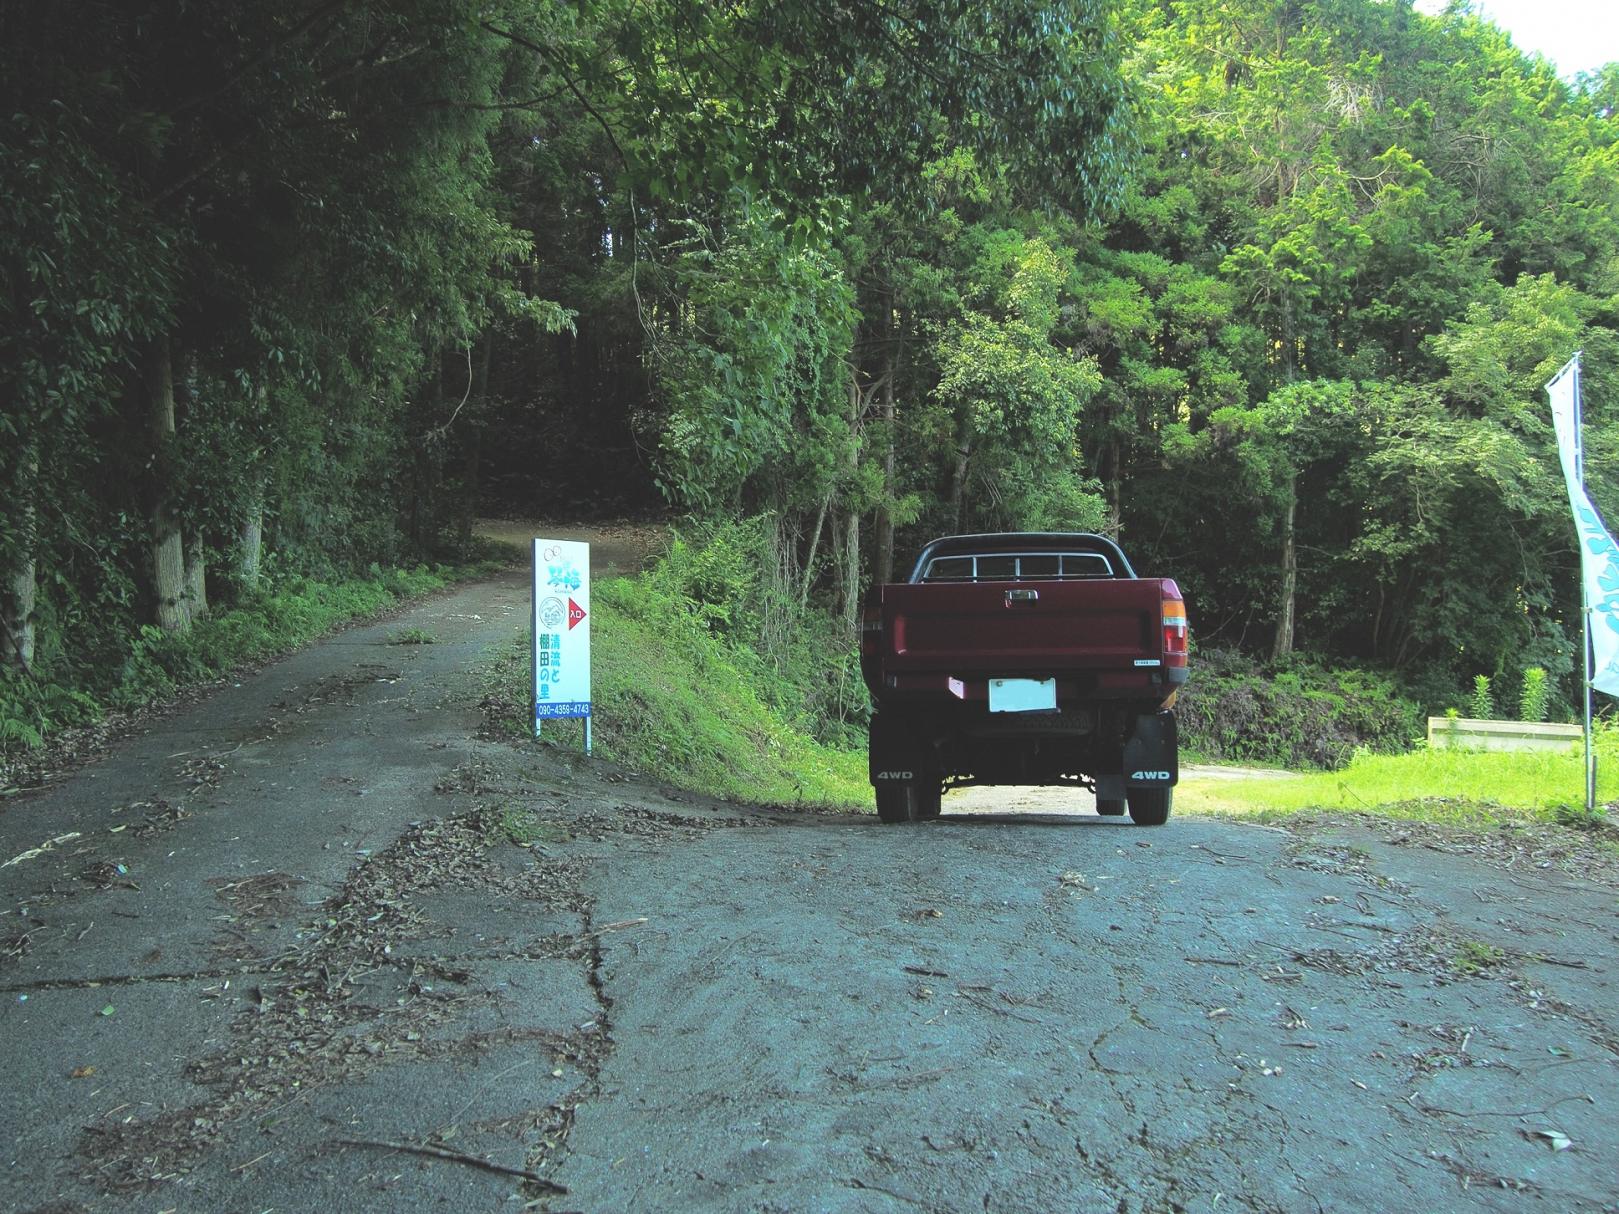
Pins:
x: 1020, y: 566
x: 1087, y: 564
x: 950, y: 569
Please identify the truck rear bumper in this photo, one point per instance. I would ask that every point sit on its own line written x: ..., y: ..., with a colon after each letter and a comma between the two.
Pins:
x: 1119, y: 745
x: 1154, y: 684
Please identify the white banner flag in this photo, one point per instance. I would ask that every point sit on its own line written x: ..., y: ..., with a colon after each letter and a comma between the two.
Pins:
x: 1599, y: 556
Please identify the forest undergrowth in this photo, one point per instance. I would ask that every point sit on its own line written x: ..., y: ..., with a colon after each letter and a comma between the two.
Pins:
x: 703, y: 676
x: 64, y: 692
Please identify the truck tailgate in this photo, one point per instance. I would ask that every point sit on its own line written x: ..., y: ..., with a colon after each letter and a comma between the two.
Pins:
x: 1037, y: 628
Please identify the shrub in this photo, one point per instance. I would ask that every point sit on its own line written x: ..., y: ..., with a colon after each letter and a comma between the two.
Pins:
x: 797, y: 659
x: 1532, y: 699
x: 1297, y: 714
x: 1483, y: 703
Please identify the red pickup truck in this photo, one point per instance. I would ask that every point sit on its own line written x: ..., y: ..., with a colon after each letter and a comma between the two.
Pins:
x: 1024, y: 658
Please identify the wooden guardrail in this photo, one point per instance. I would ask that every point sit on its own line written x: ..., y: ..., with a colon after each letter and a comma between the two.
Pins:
x: 1465, y: 733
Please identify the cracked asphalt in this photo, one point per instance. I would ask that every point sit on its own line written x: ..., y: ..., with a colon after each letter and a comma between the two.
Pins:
x: 315, y: 942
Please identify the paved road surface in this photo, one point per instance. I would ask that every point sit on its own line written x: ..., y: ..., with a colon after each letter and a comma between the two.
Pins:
x: 296, y: 924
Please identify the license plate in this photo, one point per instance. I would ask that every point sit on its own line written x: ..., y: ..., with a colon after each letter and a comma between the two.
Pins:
x: 1023, y: 695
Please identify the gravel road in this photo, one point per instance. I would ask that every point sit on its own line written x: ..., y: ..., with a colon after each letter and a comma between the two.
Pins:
x: 316, y: 943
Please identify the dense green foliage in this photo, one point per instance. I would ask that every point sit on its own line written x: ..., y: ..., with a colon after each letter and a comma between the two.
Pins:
x: 1397, y: 228
x: 1268, y: 290
x: 1295, y: 714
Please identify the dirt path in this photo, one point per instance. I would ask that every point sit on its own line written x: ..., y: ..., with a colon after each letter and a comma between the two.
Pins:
x: 320, y: 912
x: 614, y: 548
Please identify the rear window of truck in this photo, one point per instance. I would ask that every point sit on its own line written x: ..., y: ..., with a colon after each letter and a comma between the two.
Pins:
x: 1018, y: 567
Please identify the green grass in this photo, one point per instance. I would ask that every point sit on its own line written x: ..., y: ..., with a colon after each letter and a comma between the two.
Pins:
x: 1474, y: 957
x: 669, y: 702
x: 159, y: 663
x: 412, y: 636
x: 1455, y: 786
x: 524, y: 827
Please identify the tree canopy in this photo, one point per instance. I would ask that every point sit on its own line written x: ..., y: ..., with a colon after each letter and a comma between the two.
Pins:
x: 1268, y: 290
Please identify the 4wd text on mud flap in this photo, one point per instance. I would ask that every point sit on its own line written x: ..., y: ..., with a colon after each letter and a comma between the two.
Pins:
x: 1149, y: 775
x: 896, y: 775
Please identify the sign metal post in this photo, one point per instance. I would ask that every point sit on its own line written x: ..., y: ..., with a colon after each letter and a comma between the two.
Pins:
x: 1585, y: 597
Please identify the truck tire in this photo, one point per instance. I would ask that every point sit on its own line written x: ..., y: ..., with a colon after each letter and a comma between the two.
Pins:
x: 899, y: 801
x: 929, y: 796
x: 1149, y: 806
x: 1110, y: 807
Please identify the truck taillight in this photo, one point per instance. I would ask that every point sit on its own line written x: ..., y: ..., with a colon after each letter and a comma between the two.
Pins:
x: 1174, y: 616
x: 871, y: 630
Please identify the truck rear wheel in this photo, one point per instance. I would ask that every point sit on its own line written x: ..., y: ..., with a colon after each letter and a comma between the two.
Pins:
x: 1110, y: 807
x: 1149, y: 806
x: 928, y: 798
x: 899, y: 801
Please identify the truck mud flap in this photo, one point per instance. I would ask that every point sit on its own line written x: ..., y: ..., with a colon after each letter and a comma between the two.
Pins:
x: 897, y: 753
x: 1151, y: 755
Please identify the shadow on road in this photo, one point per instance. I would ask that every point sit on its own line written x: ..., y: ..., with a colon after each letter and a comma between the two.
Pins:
x: 1080, y: 821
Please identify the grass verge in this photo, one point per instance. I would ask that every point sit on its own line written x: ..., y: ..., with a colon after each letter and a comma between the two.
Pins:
x: 1450, y: 786
x: 38, y: 709
x: 669, y: 701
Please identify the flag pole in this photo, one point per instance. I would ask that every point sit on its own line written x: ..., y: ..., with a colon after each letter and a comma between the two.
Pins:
x: 1585, y: 600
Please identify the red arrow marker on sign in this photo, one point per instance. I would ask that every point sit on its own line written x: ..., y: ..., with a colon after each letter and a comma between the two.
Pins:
x: 575, y: 614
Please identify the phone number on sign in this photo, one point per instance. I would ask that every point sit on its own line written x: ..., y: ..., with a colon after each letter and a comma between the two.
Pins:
x: 573, y: 708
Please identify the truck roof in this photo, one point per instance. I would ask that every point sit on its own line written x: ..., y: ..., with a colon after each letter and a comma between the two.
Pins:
x: 1004, y: 543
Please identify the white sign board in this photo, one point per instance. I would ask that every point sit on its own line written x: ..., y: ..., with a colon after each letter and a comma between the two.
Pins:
x: 561, y: 618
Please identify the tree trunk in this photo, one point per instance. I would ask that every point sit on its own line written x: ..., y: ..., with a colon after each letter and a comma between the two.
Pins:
x: 426, y: 457
x: 17, y: 616
x: 814, y: 549
x: 1290, y: 572
x: 883, y: 558
x: 20, y: 587
x: 251, y: 549
x: 1114, y: 489
x: 472, y: 456
x: 253, y: 542
x: 958, y: 472
x: 851, y: 571
x: 849, y: 605
x: 472, y: 463
x: 168, y: 556
x: 196, y: 578
x: 1290, y: 352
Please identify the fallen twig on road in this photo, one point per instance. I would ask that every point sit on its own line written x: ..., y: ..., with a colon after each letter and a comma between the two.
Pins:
x: 1542, y: 959
x: 1224, y: 855
x: 617, y: 927
x: 1422, y: 1106
x: 44, y: 847
x: 411, y: 1148
x: 969, y: 994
